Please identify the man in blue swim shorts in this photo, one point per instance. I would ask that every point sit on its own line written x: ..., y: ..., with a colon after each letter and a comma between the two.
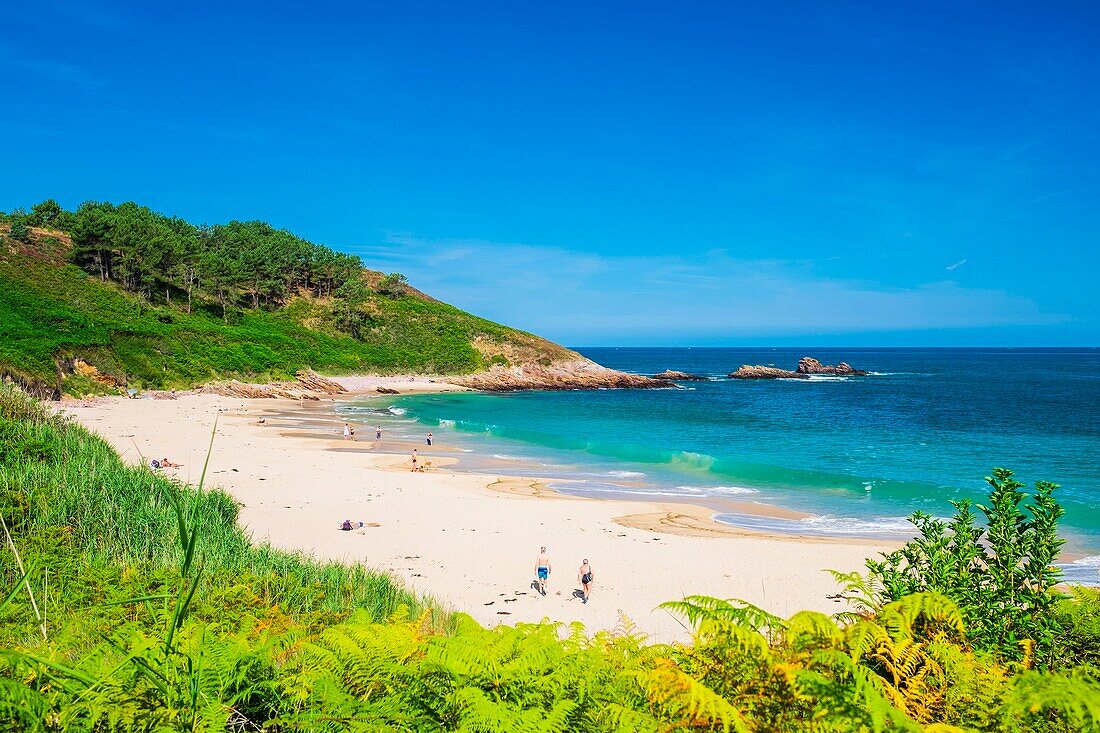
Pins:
x: 542, y: 569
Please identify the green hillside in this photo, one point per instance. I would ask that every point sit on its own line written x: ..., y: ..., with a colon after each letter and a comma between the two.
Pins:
x: 155, y: 302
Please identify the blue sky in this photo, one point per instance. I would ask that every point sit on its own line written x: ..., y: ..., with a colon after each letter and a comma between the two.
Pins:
x: 599, y: 173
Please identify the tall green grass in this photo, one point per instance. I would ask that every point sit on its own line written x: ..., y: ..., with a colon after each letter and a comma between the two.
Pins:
x: 72, y: 503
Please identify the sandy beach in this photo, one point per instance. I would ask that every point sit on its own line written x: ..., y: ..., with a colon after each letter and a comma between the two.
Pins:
x: 469, y: 540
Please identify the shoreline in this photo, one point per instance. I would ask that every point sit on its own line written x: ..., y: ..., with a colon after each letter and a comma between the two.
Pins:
x: 470, y: 539
x: 679, y: 514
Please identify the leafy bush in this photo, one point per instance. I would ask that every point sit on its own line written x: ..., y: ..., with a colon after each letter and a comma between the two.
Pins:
x: 1001, y: 575
x: 393, y: 285
x: 19, y: 230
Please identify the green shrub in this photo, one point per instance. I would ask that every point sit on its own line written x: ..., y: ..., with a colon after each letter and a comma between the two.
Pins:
x: 19, y: 230
x: 1001, y: 574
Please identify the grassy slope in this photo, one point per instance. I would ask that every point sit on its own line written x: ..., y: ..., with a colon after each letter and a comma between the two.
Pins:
x: 51, y: 311
x: 72, y: 502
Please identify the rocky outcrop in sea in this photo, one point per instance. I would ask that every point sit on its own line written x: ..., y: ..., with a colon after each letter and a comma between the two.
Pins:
x: 807, y: 365
x: 669, y: 375
x: 749, y: 371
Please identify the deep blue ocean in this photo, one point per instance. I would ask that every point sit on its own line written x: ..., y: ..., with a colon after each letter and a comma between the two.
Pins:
x: 859, y: 453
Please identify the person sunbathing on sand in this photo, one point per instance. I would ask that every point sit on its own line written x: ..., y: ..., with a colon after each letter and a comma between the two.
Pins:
x: 349, y: 525
x: 165, y: 463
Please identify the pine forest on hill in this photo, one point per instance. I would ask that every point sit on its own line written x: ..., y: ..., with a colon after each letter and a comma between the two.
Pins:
x: 154, y: 301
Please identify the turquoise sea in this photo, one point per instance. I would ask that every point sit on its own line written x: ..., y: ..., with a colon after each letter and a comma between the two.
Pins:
x: 858, y: 453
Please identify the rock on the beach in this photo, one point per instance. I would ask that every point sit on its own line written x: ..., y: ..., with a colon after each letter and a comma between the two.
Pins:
x: 307, y: 386
x: 669, y: 375
x: 386, y: 390
x: 809, y: 365
x: 572, y: 374
x: 748, y: 371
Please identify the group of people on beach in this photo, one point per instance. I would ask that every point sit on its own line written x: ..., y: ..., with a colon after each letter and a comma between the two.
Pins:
x: 543, y: 568
x: 349, y: 432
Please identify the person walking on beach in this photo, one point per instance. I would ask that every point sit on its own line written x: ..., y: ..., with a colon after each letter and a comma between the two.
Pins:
x: 414, y: 459
x: 429, y: 438
x: 378, y: 433
x: 585, y: 576
x: 347, y: 431
x: 542, y: 569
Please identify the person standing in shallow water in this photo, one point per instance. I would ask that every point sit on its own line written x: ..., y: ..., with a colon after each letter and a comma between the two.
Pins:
x: 585, y: 576
x: 542, y: 569
x: 429, y: 438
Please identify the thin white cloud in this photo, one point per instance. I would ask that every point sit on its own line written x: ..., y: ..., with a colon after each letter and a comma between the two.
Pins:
x: 57, y: 71
x: 956, y: 265
x: 576, y: 297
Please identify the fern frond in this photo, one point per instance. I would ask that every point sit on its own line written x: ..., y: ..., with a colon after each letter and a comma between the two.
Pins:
x: 680, y: 694
x: 697, y: 609
x: 811, y: 629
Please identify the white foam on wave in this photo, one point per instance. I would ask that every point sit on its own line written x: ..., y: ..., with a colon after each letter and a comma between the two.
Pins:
x: 446, y: 423
x: 688, y: 459
x: 832, y: 524
x: 1083, y: 571
x: 397, y: 411
x: 826, y: 378
x: 717, y: 490
x: 626, y: 474
x: 506, y: 457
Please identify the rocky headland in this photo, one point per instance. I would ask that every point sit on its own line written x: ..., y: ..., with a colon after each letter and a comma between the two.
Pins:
x: 806, y: 366
x: 572, y: 374
x: 669, y: 375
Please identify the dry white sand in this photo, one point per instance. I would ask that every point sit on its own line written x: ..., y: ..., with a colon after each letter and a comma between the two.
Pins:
x: 470, y: 540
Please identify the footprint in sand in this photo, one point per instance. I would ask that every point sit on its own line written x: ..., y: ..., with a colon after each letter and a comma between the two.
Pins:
x: 504, y: 613
x: 489, y: 603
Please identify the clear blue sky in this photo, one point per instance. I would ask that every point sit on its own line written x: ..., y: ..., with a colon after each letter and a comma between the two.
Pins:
x: 678, y: 173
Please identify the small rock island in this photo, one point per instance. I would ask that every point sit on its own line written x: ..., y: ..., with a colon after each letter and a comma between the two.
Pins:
x: 668, y: 375
x: 806, y: 366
